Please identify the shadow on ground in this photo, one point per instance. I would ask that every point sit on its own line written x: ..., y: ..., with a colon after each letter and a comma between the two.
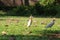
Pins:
x: 25, y: 37
x: 47, y: 36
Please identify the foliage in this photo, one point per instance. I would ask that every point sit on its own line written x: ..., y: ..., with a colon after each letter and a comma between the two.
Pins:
x: 48, y: 8
x: 58, y: 12
x: 37, y: 10
x: 46, y: 2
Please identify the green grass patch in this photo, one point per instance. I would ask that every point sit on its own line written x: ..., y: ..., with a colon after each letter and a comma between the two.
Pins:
x: 21, y: 32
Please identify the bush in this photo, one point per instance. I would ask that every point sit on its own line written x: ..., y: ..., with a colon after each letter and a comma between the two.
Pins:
x: 37, y: 10
x: 50, y: 10
x: 22, y: 11
x: 58, y: 11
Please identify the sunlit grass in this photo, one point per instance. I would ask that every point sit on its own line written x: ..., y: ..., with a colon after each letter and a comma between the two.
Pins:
x: 20, y: 28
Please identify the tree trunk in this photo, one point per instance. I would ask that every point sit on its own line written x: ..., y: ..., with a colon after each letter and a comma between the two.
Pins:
x: 26, y: 2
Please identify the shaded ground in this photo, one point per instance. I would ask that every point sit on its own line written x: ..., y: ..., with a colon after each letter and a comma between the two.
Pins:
x: 26, y: 37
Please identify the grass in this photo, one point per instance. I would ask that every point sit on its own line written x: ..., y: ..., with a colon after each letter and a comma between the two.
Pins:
x: 21, y: 32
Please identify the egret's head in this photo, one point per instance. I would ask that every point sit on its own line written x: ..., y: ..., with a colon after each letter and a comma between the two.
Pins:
x: 31, y: 17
